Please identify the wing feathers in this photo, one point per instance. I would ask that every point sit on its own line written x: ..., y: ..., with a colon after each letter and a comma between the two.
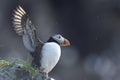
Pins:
x: 16, y: 16
x: 16, y: 12
x: 18, y: 20
x: 20, y: 8
x: 24, y: 27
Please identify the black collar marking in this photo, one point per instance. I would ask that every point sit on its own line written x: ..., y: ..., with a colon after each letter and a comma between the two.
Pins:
x: 52, y: 40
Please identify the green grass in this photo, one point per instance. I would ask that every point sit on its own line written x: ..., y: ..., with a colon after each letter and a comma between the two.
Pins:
x: 29, y: 68
x: 4, y: 63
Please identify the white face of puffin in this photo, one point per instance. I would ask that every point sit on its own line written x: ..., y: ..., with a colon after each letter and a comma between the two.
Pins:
x: 61, y: 40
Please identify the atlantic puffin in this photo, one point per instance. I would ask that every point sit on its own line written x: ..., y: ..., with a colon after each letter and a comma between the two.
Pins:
x: 45, y: 54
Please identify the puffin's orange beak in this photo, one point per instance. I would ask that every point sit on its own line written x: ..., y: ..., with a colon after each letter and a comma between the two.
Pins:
x: 66, y: 42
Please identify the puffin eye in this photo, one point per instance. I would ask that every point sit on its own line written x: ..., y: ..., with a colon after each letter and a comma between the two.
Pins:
x: 59, y: 37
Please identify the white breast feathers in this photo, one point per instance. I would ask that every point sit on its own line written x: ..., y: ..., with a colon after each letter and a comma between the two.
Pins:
x: 51, y: 53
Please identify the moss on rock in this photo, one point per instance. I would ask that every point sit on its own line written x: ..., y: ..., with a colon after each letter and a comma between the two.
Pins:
x: 19, y: 71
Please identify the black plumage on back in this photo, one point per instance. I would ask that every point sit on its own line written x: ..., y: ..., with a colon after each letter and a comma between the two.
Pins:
x: 37, y: 56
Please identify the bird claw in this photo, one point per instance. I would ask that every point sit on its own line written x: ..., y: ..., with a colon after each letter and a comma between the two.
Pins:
x: 45, y: 76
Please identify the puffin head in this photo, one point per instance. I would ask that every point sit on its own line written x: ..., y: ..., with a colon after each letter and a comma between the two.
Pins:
x: 60, y: 40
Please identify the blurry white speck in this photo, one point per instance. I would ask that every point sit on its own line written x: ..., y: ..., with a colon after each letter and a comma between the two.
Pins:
x: 104, y: 66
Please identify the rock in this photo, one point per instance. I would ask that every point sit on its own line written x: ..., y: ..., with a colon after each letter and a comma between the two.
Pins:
x: 16, y: 71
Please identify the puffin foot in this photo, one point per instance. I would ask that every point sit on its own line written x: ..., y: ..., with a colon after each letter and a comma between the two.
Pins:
x: 45, y: 76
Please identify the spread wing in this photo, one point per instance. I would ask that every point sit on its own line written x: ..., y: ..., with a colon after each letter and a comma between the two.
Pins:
x: 24, y: 27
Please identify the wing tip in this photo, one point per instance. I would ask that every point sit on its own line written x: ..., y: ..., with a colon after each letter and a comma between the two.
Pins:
x: 18, y: 14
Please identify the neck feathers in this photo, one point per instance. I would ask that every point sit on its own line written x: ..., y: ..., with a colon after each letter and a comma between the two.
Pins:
x: 52, y: 40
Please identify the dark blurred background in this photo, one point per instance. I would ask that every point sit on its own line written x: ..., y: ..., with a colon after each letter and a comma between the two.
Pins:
x: 92, y: 26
